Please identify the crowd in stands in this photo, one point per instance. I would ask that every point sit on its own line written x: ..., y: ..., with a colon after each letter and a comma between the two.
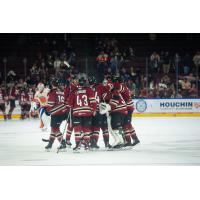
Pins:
x: 159, y: 79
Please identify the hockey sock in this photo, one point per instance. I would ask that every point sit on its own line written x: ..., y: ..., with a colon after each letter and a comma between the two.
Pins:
x: 77, y: 136
x: 127, y: 133
x: 95, y: 136
x: 133, y: 135
x: 105, y: 135
x: 52, y: 137
x: 128, y: 137
x: 59, y: 136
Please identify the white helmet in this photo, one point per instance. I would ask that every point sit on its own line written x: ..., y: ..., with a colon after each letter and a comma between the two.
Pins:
x: 40, y: 87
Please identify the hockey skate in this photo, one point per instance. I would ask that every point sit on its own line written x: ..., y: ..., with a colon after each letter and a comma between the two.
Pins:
x: 49, y: 146
x: 118, y: 146
x: 127, y: 144
x: 93, y: 145
x: 87, y: 146
x: 62, y: 146
x: 77, y: 148
x: 107, y: 145
x: 68, y: 143
x: 135, y: 142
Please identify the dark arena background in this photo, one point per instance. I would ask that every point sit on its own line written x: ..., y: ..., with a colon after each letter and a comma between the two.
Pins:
x: 161, y: 72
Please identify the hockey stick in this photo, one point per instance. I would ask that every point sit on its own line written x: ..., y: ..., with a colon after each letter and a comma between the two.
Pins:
x: 47, y: 140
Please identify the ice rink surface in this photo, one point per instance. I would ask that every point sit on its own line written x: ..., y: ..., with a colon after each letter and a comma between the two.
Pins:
x: 164, y: 141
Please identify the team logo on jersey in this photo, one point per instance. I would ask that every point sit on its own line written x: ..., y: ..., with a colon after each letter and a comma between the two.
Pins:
x: 141, y: 105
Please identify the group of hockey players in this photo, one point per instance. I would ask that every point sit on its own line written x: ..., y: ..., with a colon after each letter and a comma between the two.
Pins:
x: 86, y: 107
x: 24, y: 96
x: 90, y: 108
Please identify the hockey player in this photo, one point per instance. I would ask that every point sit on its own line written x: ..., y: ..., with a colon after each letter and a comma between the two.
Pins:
x: 41, y: 100
x: 116, y: 119
x: 59, y: 111
x: 13, y: 93
x: 31, y: 95
x: 3, y: 98
x: 83, y: 104
x: 99, y: 121
x: 128, y: 128
x: 118, y: 114
x: 68, y: 90
x: 24, y: 103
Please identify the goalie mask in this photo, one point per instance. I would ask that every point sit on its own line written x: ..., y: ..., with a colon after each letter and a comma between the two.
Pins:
x: 40, y: 87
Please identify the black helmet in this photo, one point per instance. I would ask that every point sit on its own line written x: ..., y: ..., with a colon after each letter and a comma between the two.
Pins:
x: 116, y: 79
x: 54, y: 83
x: 92, y: 80
x: 82, y: 81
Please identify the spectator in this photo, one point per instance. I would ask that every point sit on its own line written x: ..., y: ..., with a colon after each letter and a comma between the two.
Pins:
x: 187, y: 63
x: 143, y: 93
x: 11, y: 76
x: 102, y: 63
x: 113, y: 64
x: 130, y: 53
x: 193, y: 91
x: 21, y: 84
x: 176, y: 61
x: 196, y: 59
x: 50, y: 63
x: 166, y: 63
x: 154, y: 62
x: 186, y: 86
x: 191, y: 78
x: 165, y: 79
x: 57, y: 64
x: 132, y: 86
x: 151, y: 94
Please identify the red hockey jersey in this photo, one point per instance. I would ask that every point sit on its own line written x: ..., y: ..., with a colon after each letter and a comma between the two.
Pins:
x: 2, y: 96
x: 56, y: 102
x: 99, y: 91
x: 126, y: 94
x: 13, y: 93
x: 117, y: 103
x: 24, y: 98
x: 82, y: 101
x: 31, y: 95
x: 68, y: 90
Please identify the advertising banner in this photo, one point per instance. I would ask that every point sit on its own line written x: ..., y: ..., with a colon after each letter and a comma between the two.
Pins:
x: 164, y: 107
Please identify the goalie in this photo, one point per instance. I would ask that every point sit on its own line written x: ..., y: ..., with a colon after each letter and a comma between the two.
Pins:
x: 40, y: 102
x: 118, y: 111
